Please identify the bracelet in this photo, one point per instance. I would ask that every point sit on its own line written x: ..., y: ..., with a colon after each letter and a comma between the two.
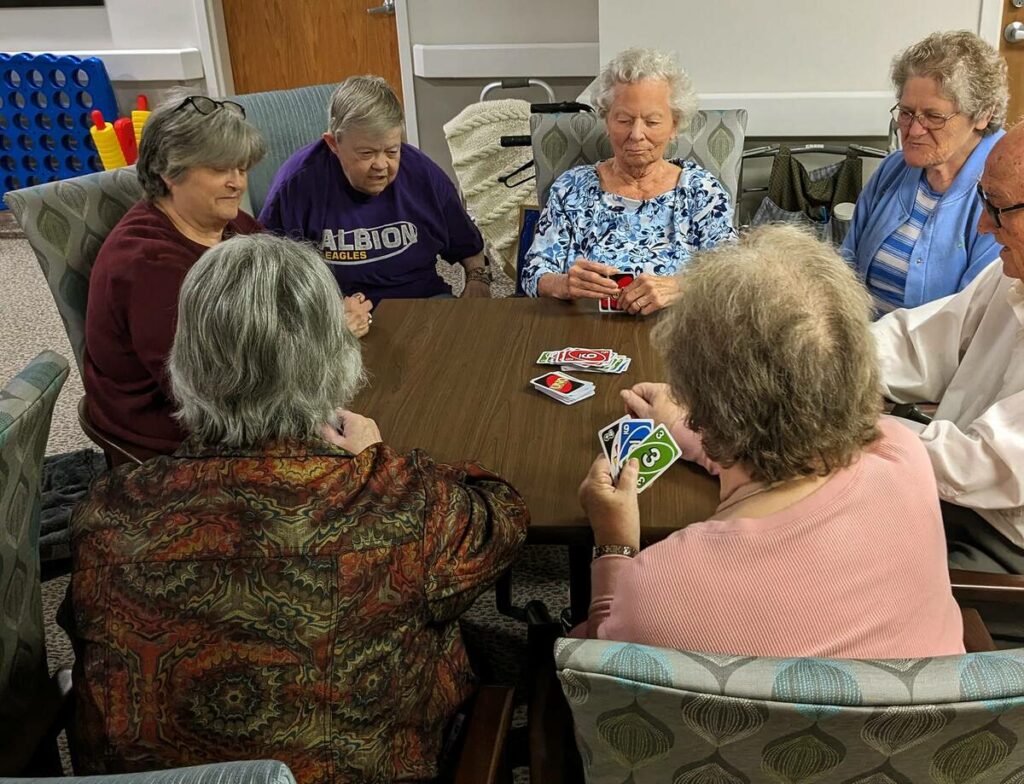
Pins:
x: 614, y: 549
x: 481, y: 274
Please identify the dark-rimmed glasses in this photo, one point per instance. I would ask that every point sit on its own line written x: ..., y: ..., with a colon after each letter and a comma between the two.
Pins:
x: 930, y: 121
x: 205, y: 105
x: 993, y: 211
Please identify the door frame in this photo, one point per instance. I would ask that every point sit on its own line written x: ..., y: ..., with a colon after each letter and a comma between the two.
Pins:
x: 213, y: 47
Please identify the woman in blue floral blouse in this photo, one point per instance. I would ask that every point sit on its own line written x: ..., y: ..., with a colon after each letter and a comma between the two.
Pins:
x: 636, y: 212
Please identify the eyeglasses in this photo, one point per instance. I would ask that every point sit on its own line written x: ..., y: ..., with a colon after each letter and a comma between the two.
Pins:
x: 930, y: 121
x: 995, y: 212
x: 205, y: 105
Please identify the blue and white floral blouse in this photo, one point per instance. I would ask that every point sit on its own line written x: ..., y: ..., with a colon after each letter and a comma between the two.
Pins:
x: 656, y: 236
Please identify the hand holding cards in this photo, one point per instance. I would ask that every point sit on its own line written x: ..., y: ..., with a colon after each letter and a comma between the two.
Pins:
x: 562, y: 387
x: 611, y: 304
x: 653, y: 446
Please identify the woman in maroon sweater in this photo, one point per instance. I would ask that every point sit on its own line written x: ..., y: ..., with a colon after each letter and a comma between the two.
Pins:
x: 192, y: 166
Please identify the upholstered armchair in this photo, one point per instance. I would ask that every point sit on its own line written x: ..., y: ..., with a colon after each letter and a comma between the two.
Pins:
x: 26, y: 409
x: 647, y: 714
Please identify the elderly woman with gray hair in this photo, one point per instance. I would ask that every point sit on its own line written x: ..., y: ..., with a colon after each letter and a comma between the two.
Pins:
x: 379, y: 211
x: 816, y: 548
x: 636, y: 213
x: 914, y: 236
x: 285, y: 585
x: 192, y: 167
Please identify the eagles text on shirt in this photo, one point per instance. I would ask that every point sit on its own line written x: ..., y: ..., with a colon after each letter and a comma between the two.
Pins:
x: 362, y: 246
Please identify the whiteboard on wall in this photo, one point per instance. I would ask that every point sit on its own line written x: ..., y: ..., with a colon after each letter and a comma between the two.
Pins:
x: 800, y: 68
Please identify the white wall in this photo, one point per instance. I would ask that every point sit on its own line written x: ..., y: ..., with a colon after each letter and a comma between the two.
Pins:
x: 147, y: 45
x: 799, y: 67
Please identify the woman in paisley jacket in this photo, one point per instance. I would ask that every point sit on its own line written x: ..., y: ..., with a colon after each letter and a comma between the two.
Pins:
x: 285, y: 585
x: 636, y: 212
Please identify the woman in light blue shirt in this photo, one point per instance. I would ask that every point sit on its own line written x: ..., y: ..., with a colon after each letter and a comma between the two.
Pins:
x: 914, y: 236
x: 636, y: 212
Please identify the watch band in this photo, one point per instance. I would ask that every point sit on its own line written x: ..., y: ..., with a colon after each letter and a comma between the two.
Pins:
x: 614, y: 549
x: 481, y: 274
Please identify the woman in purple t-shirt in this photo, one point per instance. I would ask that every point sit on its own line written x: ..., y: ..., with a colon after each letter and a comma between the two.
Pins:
x: 379, y: 211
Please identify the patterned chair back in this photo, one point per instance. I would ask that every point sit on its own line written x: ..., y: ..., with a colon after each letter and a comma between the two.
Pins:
x: 646, y: 714
x: 714, y: 139
x: 288, y: 120
x: 66, y: 222
x: 26, y: 408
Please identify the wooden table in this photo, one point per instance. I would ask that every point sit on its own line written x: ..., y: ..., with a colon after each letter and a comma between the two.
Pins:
x: 452, y: 376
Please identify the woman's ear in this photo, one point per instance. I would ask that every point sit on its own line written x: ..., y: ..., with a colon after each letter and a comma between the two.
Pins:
x: 982, y: 122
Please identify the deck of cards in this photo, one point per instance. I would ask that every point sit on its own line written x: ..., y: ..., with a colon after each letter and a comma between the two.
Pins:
x: 586, y: 360
x: 563, y: 387
x: 611, y: 304
x: 653, y: 446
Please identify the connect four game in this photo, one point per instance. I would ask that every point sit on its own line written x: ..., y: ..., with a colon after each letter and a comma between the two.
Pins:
x: 45, y: 105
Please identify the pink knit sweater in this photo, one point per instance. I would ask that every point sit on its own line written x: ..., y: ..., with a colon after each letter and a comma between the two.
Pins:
x: 857, y: 569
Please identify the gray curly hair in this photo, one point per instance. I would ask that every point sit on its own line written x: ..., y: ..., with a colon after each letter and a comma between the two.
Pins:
x: 769, y: 349
x: 968, y: 70
x: 261, y: 351
x: 640, y: 63
x: 177, y: 138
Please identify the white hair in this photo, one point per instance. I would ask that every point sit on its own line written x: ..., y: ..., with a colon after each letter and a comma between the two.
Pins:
x: 366, y: 103
x: 640, y: 63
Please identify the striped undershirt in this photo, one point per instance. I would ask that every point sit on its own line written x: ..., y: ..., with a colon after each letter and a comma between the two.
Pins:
x: 887, y: 274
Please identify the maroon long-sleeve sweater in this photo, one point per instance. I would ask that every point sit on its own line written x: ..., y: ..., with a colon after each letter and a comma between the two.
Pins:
x: 130, y: 322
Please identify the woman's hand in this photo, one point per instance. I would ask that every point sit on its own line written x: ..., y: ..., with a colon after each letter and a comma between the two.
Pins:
x: 612, y: 509
x: 648, y: 400
x: 648, y: 294
x: 354, y: 433
x: 589, y: 280
x: 357, y: 314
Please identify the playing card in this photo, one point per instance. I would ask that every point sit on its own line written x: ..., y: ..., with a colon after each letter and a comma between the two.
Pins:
x: 655, y: 453
x: 563, y: 387
x: 586, y: 356
x: 548, y: 357
x: 607, y: 434
x: 632, y: 432
x: 611, y: 304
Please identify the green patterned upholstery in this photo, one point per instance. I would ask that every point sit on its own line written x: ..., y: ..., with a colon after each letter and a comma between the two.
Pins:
x: 66, y: 222
x: 714, y: 139
x: 648, y: 714
x: 26, y: 407
x: 288, y: 120
x: 256, y: 772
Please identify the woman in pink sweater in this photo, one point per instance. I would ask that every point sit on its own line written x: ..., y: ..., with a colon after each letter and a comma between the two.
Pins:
x: 828, y: 540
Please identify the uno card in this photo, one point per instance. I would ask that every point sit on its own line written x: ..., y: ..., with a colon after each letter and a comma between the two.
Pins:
x: 611, y: 304
x: 632, y: 432
x: 607, y: 435
x: 587, y: 356
x: 548, y: 358
x: 656, y: 454
x: 563, y: 387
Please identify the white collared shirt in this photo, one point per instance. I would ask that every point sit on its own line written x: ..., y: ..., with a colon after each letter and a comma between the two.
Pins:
x: 966, y: 351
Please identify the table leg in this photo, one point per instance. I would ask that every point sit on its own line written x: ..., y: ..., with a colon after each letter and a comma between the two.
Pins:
x: 579, y: 582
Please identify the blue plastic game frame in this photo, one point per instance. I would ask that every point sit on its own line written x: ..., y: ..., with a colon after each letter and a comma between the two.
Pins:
x: 45, y: 103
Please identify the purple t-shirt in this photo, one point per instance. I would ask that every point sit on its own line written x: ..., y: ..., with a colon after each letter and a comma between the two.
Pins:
x: 385, y: 246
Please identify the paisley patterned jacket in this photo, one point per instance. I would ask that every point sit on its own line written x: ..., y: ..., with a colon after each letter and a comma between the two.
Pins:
x: 295, y: 603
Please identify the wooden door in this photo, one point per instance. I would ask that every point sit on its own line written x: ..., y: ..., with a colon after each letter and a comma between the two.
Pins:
x: 1014, y: 54
x: 277, y: 44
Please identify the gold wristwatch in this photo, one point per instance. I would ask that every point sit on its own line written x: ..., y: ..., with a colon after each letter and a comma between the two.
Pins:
x: 614, y: 549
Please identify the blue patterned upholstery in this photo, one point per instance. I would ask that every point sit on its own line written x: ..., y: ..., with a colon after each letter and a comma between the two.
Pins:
x: 288, y: 120
x: 26, y: 408
x: 255, y: 772
x: 647, y: 714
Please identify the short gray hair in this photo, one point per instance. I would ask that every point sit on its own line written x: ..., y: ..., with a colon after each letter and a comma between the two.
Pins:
x: 968, y: 71
x: 178, y: 139
x: 366, y: 103
x: 769, y: 349
x: 637, y: 64
x: 261, y: 350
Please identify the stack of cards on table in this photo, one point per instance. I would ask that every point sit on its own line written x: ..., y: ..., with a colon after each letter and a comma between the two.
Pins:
x: 586, y: 360
x: 563, y: 388
x: 653, y: 446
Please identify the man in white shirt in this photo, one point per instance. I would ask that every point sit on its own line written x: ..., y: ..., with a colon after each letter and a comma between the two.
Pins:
x: 967, y: 351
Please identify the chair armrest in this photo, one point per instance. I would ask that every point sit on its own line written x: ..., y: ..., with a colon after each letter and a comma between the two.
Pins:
x: 483, y: 749
x: 976, y: 636
x: 554, y: 758
x: 31, y: 750
x: 987, y: 587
